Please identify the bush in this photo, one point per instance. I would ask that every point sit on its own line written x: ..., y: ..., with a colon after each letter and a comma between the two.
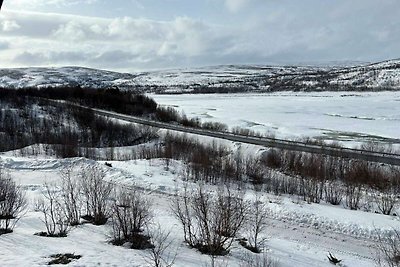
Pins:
x: 131, y: 213
x: 63, y: 258
x: 215, y: 126
x: 12, y: 203
x: 96, y: 194
x: 159, y: 256
x: 333, y: 192
x: 210, y: 222
x: 71, y: 194
x: 257, y: 260
x: 388, y: 249
x: 256, y: 225
x: 55, y: 212
x: 273, y: 159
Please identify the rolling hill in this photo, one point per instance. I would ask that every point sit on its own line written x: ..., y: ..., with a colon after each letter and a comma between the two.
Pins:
x: 218, y: 79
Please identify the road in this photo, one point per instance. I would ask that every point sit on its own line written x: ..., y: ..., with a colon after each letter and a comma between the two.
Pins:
x: 380, y: 157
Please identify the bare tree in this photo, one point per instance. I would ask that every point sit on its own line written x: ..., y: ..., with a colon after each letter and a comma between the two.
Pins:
x: 388, y: 249
x: 210, y: 221
x: 131, y: 214
x: 160, y: 255
x: 333, y: 192
x: 353, y: 195
x: 233, y: 210
x: 71, y: 195
x: 386, y: 200
x: 257, y: 224
x: 12, y: 203
x: 54, y: 211
x: 96, y: 194
x: 257, y: 260
x: 181, y: 208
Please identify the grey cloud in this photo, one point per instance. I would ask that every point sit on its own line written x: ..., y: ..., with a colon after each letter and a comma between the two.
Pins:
x: 9, y: 25
x: 31, y: 25
x: 115, y: 59
x: 69, y: 56
x: 116, y: 55
x: 31, y: 58
x: 40, y: 3
x: 278, y: 31
x: 4, y: 45
x: 53, y: 57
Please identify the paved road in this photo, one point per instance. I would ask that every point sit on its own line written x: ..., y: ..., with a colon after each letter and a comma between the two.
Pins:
x: 387, y: 158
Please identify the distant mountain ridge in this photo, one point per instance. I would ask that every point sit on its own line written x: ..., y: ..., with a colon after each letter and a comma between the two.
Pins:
x: 228, y: 78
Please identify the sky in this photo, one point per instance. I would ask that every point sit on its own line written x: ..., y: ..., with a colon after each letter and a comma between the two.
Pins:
x: 131, y: 35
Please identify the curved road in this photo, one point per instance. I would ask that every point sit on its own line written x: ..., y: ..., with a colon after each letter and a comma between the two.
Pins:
x: 380, y: 157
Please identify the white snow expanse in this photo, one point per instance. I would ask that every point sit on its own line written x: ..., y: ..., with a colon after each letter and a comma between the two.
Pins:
x: 298, y: 234
x: 343, y: 116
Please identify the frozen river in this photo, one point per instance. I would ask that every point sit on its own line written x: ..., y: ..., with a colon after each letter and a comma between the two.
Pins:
x: 343, y: 116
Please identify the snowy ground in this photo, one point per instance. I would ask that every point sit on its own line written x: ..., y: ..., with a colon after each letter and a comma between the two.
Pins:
x: 299, y: 234
x: 347, y: 117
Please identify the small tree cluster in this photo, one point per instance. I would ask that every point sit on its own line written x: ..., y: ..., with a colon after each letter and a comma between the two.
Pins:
x: 388, y: 249
x: 96, y: 193
x: 210, y: 222
x: 257, y: 260
x: 63, y: 204
x: 54, y: 211
x: 131, y: 214
x: 313, y: 177
x: 12, y: 203
x: 72, y: 196
x: 27, y: 121
x: 160, y: 254
x: 334, y: 179
x: 256, y: 225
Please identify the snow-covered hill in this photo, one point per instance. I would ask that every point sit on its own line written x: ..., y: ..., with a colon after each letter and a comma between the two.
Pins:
x: 228, y: 78
x: 65, y: 76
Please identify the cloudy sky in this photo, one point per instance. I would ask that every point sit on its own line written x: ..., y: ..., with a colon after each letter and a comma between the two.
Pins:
x: 128, y: 35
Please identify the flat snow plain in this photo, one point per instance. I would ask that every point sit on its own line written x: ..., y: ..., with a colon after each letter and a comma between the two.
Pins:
x: 298, y: 234
x: 348, y: 117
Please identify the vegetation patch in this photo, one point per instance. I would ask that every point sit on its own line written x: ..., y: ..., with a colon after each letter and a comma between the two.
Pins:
x: 5, y: 231
x: 141, y: 241
x: 45, y: 234
x: 244, y: 243
x: 63, y: 258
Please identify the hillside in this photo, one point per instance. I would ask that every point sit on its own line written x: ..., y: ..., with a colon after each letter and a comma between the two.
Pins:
x: 219, y: 79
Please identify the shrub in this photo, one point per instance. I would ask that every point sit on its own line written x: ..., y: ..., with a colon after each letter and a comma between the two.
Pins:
x: 388, y: 249
x: 54, y: 211
x: 12, y: 203
x: 210, y: 222
x: 256, y: 225
x: 71, y: 194
x: 63, y: 258
x: 131, y: 214
x: 96, y: 194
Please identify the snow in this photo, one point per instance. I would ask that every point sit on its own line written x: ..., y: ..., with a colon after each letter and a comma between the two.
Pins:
x: 347, y: 117
x: 374, y: 76
x: 298, y: 234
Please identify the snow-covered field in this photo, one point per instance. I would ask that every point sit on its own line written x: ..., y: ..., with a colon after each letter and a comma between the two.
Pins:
x: 347, y: 117
x: 299, y: 234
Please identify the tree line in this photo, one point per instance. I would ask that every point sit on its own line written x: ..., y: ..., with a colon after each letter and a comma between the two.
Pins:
x: 70, y: 131
x: 356, y: 184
